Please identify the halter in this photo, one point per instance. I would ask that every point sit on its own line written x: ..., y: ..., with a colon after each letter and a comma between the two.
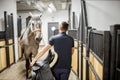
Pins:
x: 30, y: 29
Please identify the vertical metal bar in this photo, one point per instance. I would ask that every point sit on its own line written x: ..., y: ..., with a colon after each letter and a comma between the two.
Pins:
x: 73, y: 22
x: 6, y: 39
x: 106, y: 60
x: 78, y: 41
x: 19, y: 25
x: 85, y: 21
x: 117, y: 77
x: 87, y: 53
x: 113, y: 52
x: 69, y: 16
x: 12, y: 22
x: 82, y: 40
x: 86, y: 35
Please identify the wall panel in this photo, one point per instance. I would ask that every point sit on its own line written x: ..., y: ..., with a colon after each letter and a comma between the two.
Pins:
x: 2, y: 56
x: 74, y: 57
x: 11, y: 52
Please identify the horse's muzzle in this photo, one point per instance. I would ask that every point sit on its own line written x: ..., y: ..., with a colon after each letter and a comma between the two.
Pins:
x: 38, y: 40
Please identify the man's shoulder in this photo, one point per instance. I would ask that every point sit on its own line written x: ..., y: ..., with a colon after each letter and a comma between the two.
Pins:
x: 55, y: 36
x: 70, y: 37
x: 61, y: 36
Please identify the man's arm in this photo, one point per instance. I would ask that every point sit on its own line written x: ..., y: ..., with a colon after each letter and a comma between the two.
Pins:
x: 42, y: 52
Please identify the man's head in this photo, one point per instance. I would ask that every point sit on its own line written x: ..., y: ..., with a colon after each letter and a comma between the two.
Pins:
x: 63, y: 27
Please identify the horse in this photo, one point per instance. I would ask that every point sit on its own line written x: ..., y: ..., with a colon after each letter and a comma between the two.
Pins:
x: 30, y: 39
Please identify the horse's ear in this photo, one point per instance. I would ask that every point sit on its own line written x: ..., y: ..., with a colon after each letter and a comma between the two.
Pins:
x: 30, y: 14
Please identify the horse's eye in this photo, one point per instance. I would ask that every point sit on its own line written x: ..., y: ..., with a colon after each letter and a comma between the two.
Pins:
x: 32, y: 24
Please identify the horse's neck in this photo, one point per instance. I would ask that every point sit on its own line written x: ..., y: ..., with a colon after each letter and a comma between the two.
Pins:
x: 24, y: 36
x: 31, y: 39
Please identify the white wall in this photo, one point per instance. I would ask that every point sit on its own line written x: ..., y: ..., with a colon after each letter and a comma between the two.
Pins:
x: 102, y: 14
x: 76, y: 7
x: 47, y: 17
x: 10, y: 7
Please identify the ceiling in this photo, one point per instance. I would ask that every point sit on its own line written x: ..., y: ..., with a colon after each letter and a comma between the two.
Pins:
x: 42, y: 5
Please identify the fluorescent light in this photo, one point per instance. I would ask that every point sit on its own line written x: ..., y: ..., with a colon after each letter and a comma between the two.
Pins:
x: 52, y: 6
x: 50, y: 10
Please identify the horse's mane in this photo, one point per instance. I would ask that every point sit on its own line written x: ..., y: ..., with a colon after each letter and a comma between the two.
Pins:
x: 24, y: 36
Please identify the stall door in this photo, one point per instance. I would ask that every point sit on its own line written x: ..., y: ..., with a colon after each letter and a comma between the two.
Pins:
x: 52, y: 27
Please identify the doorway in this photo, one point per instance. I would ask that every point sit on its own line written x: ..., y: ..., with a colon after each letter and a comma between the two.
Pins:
x: 52, y: 27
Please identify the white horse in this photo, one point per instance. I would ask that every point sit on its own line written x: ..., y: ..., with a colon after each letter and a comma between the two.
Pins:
x: 30, y: 39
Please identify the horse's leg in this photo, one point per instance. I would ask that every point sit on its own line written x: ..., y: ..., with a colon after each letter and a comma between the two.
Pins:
x: 31, y: 57
x: 27, y: 68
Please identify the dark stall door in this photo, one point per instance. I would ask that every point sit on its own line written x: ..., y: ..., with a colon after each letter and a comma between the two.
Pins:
x: 52, y: 28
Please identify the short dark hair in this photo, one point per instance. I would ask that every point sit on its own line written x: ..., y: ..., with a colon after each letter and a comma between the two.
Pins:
x: 64, y: 26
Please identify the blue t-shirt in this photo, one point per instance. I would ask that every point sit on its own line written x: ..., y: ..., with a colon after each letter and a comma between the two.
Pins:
x: 63, y: 46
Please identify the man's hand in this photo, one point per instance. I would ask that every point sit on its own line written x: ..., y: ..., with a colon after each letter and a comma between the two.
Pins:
x: 44, y: 49
x: 32, y: 63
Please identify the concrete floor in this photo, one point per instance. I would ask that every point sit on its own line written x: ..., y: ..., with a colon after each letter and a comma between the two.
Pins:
x: 17, y: 72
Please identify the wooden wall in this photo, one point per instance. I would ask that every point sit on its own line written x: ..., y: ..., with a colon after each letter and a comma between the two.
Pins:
x: 11, y: 52
x: 75, y: 57
x: 97, y: 66
x: 3, y: 63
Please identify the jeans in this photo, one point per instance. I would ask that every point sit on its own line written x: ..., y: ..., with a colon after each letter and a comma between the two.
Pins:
x: 61, y: 74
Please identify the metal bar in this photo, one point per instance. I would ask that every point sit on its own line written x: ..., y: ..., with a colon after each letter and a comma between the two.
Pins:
x: 19, y: 25
x: 87, y: 54
x: 13, y: 35
x: 117, y: 77
x: 69, y: 15
x: 106, y: 60
x: 6, y: 39
x: 82, y: 40
x: 85, y: 24
x: 78, y: 41
x: 84, y: 31
x: 85, y: 20
x: 73, y: 22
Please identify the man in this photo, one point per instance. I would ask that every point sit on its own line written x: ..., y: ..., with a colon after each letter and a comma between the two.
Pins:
x: 64, y: 47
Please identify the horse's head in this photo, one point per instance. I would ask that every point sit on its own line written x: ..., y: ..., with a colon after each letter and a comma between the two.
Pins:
x: 35, y: 25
